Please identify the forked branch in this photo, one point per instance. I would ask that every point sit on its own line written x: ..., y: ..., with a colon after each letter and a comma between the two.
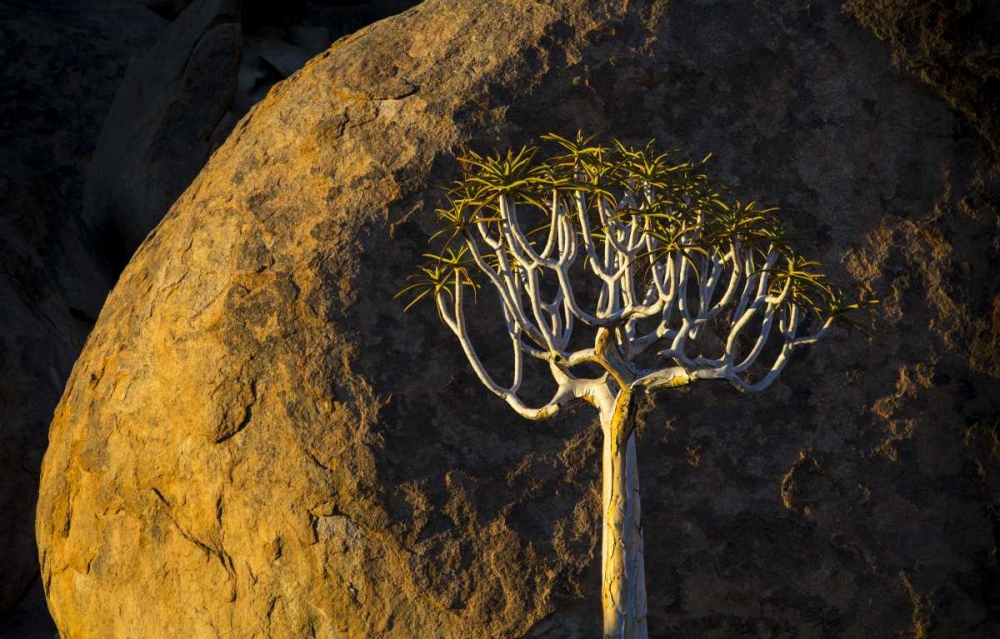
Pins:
x: 663, y: 253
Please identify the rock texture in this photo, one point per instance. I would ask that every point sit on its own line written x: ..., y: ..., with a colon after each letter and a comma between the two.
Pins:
x: 951, y: 46
x: 256, y: 441
x: 36, y: 352
x: 160, y: 128
x: 61, y: 65
x: 181, y: 98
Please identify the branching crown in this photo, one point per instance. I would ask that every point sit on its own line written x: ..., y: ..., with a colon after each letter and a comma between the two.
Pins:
x: 665, y: 252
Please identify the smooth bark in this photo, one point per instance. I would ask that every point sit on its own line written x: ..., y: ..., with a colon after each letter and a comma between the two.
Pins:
x: 623, y: 583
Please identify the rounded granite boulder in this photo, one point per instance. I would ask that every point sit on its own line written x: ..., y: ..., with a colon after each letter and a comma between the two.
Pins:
x: 258, y: 442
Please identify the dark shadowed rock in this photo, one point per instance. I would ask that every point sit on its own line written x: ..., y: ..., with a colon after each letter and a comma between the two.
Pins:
x: 30, y: 619
x: 169, y: 9
x: 61, y: 65
x: 951, y: 45
x: 182, y: 98
x: 36, y: 352
x: 159, y: 130
x: 256, y: 439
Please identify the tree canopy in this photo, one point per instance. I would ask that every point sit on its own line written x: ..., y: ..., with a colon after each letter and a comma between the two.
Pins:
x: 669, y: 250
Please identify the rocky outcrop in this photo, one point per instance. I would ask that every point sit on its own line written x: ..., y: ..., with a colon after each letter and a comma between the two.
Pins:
x: 257, y: 440
x: 180, y: 100
x: 160, y: 128
x: 61, y: 65
x: 36, y: 352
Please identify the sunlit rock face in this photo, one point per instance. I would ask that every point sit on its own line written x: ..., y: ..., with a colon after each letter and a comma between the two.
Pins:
x: 63, y: 64
x: 181, y: 98
x: 60, y: 65
x: 257, y: 440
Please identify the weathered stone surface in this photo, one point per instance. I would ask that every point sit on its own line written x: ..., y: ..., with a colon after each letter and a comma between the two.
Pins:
x: 61, y: 64
x: 951, y: 45
x: 182, y: 98
x: 257, y: 441
x: 158, y: 132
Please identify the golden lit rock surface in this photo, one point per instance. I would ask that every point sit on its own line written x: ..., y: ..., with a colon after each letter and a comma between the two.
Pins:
x: 256, y: 441
x: 61, y: 64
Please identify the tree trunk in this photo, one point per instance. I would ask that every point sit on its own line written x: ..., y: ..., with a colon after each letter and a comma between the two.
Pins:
x: 623, y: 580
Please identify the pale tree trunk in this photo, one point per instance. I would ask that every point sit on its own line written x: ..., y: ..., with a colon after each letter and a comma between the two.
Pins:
x: 623, y: 580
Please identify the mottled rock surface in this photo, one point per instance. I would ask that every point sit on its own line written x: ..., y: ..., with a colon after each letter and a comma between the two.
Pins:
x: 257, y: 441
x: 61, y: 64
x: 160, y: 128
x: 181, y: 98
x: 952, y: 46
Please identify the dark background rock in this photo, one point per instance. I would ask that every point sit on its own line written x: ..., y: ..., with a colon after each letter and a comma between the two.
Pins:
x: 180, y: 100
x: 61, y: 67
x: 37, y: 350
x: 950, y: 45
x: 61, y: 63
x: 260, y: 432
x: 159, y: 130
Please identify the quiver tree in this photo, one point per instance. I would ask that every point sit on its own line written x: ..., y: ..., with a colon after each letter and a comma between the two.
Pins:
x: 621, y: 272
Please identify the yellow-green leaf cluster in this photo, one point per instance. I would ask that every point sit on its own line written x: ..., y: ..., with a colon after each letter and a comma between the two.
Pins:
x: 681, y: 210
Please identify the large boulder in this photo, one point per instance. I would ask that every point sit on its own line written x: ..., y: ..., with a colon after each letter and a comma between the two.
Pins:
x: 257, y: 441
x: 180, y: 100
x: 61, y: 65
x: 159, y: 130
